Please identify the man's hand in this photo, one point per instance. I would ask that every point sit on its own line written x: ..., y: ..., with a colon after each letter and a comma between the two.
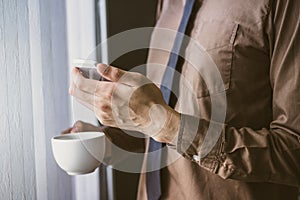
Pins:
x: 81, y: 126
x: 129, y: 101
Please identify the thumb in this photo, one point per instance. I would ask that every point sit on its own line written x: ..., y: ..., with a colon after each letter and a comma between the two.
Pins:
x: 109, y: 72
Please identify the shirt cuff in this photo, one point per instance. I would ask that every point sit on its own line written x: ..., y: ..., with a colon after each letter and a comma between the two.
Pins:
x: 193, y: 144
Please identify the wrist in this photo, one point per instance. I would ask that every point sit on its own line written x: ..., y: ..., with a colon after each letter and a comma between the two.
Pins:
x: 170, y: 130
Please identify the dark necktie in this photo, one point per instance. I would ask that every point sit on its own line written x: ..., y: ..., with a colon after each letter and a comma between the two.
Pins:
x: 153, y: 178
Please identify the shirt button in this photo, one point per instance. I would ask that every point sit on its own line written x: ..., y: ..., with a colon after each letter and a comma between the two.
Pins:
x: 196, y: 158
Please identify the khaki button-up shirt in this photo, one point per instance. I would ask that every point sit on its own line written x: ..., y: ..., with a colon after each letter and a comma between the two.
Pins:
x: 255, y: 47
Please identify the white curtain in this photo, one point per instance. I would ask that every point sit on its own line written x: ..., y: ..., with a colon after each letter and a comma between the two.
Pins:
x: 34, y: 100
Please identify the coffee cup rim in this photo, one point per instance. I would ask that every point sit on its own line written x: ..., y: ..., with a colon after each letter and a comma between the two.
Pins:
x: 58, y: 138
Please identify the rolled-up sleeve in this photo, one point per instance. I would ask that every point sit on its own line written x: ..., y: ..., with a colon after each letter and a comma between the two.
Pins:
x: 271, y: 154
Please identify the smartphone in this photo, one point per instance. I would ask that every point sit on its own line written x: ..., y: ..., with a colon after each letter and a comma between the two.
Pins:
x: 88, y: 69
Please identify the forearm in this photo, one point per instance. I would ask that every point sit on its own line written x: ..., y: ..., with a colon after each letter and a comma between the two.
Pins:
x: 266, y: 155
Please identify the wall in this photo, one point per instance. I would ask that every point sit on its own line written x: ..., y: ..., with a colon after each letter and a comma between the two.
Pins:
x: 34, y: 102
x: 121, y: 16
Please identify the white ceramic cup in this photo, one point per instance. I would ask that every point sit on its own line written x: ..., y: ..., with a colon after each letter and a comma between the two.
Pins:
x: 79, y: 153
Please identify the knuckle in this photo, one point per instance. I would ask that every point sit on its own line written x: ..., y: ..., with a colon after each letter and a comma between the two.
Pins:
x: 117, y: 74
x: 79, y: 124
x: 104, y: 107
x: 101, y: 106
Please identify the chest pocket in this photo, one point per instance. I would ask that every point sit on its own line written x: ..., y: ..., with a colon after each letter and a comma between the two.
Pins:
x: 217, y: 38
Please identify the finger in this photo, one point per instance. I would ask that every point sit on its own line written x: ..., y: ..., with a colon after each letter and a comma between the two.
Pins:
x: 78, y: 126
x: 117, y: 75
x: 90, y: 101
x: 103, y: 114
x: 110, y: 123
x: 74, y: 130
x: 98, y: 88
x: 79, y: 94
x: 105, y: 117
x: 109, y: 72
x: 67, y: 131
x: 102, y: 117
x: 105, y: 89
x: 87, y: 85
x: 71, y: 91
